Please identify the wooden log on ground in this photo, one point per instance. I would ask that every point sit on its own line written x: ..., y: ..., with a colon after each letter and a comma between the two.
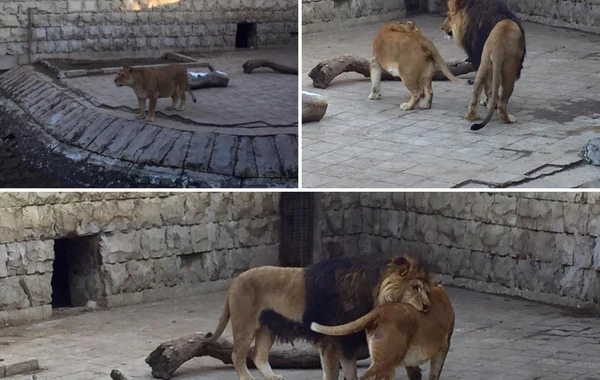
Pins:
x: 327, y: 70
x: 204, y: 80
x: 115, y: 374
x: 169, y: 356
x: 253, y: 64
x: 314, y: 107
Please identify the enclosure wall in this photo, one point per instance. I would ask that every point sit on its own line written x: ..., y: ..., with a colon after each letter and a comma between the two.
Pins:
x: 151, y: 246
x: 135, y: 28
x: 544, y: 246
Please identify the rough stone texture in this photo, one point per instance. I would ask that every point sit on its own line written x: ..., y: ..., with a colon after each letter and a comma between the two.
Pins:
x: 136, y: 27
x: 582, y: 15
x: 537, y: 245
x: 315, y: 12
x: 133, y: 242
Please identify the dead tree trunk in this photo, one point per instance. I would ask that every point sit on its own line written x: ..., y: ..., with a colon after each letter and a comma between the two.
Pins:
x: 327, y: 70
x: 206, y: 80
x: 169, y: 356
x: 252, y: 64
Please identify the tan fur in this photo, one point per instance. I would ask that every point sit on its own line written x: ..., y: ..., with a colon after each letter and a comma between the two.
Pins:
x: 403, y: 51
x: 400, y: 334
x: 283, y: 290
x: 166, y: 82
x: 500, y: 63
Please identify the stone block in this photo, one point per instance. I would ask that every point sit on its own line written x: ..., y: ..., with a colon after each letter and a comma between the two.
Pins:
x: 334, y: 222
x: 167, y: 271
x: 196, y: 205
x: 120, y: 247
x: 3, y: 260
x: 220, y: 207
x: 392, y: 223
x: 12, y: 296
x: 153, y: 242
x: 38, y: 288
x: 353, y: 221
x: 22, y: 367
x: 540, y: 215
x: 147, y: 212
x: 200, y: 239
x: 16, y: 259
x: 114, y: 276
x: 179, y: 240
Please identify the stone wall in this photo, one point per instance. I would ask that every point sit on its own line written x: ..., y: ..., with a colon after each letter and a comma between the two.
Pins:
x: 581, y: 14
x: 93, y: 28
x: 136, y: 247
x: 323, y: 14
x: 542, y: 246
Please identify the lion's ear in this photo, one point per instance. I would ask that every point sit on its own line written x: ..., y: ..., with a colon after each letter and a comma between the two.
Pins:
x: 402, y: 264
x: 410, y: 24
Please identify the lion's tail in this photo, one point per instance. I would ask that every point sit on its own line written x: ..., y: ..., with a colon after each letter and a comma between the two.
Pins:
x: 497, y: 61
x: 212, y: 337
x: 189, y: 90
x: 347, y: 329
x: 441, y: 63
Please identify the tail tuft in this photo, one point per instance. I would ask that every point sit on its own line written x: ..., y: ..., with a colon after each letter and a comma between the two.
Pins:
x: 470, y: 82
x: 478, y: 126
x: 208, y: 335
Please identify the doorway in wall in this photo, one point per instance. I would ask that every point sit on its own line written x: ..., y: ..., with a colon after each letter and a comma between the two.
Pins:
x: 416, y: 6
x: 296, y: 212
x: 245, y: 36
x: 76, y: 277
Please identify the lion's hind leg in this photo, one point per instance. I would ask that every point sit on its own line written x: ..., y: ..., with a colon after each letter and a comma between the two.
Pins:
x: 262, y: 344
x: 507, y: 89
x: 375, y: 68
x: 174, y: 99
x: 414, y: 86
x: 480, y: 82
x: 181, y: 93
x: 427, y: 80
x: 437, y: 362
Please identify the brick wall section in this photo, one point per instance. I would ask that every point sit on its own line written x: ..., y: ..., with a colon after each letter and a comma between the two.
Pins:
x: 138, y: 27
x: 349, y: 11
x: 543, y: 246
x: 151, y: 246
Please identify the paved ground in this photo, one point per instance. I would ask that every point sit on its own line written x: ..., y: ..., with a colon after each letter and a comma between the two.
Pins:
x: 244, y: 135
x: 365, y: 143
x: 495, y: 338
x: 260, y: 99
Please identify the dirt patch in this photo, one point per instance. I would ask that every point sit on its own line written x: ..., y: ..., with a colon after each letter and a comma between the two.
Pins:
x: 87, y: 64
x: 565, y: 111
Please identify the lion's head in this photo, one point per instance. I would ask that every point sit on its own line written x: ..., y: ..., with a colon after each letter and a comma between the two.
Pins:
x: 409, y: 26
x: 125, y: 77
x: 404, y: 280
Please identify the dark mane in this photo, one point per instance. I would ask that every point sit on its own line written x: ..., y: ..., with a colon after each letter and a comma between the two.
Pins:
x: 482, y: 16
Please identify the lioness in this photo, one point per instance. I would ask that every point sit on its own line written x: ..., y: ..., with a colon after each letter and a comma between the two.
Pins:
x: 269, y: 303
x: 399, y: 334
x: 170, y: 81
x: 403, y: 51
x: 494, y: 40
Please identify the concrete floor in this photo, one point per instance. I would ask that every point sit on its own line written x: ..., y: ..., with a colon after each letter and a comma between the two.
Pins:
x: 365, y: 143
x: 495, y: 338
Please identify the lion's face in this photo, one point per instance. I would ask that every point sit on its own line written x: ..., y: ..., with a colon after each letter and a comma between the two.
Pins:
x: 446, y: 27
x: 124, y: 77
x: 405, y: 281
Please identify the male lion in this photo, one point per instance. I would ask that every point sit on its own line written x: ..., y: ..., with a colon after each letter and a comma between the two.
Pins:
x: 494, y: 41
x: 170, y: 81
x: 272, y: 303
x: 403, y: 51
x: 399, y: 334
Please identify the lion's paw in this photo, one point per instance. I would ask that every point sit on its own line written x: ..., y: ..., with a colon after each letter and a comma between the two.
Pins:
x: 511, y: 120
x: 169, y: 108
x: 483, y: 102
x: 276, y: 377
x: 405, y: 107
x: 149, y: 118
x: 180, y: 108
x: 375, y: 96
x: 138, y: 116
x: 472, y: 116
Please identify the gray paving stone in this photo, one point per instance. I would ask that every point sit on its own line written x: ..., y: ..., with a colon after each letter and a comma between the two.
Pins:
x: 287, y: 147
x: 176, y: 156
x: 143, y: 139
x: 223, y: 157
x: 99, y: 124
x: 162, y: 144
x: 46, y: 106
x: 106, y: 136
x: 79, y: 127
x: 200, y: 151
x: 35, y: 97
x: 267, y: 161
x: 245, y: 167
x: 65, y: 129
x: 123, y: 138
x: 30, y: 85
x: 47, y: 116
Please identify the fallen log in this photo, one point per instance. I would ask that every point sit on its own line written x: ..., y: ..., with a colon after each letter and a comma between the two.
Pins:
x: 327, y: 70
x: 253, y: 64
x: 204, y: 80
x: 314, y: 106
x: 115, y: 374
x: 168, y: 356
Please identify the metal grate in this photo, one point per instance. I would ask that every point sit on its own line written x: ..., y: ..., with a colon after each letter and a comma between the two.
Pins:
x: 296, y: 212
x: 416, y: 6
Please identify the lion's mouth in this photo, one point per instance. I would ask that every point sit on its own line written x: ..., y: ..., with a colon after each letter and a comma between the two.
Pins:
x: 449, y: 33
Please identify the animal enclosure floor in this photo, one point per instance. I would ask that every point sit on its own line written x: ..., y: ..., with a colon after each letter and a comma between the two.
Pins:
x: 367, y: 143
x: 495, y: 337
